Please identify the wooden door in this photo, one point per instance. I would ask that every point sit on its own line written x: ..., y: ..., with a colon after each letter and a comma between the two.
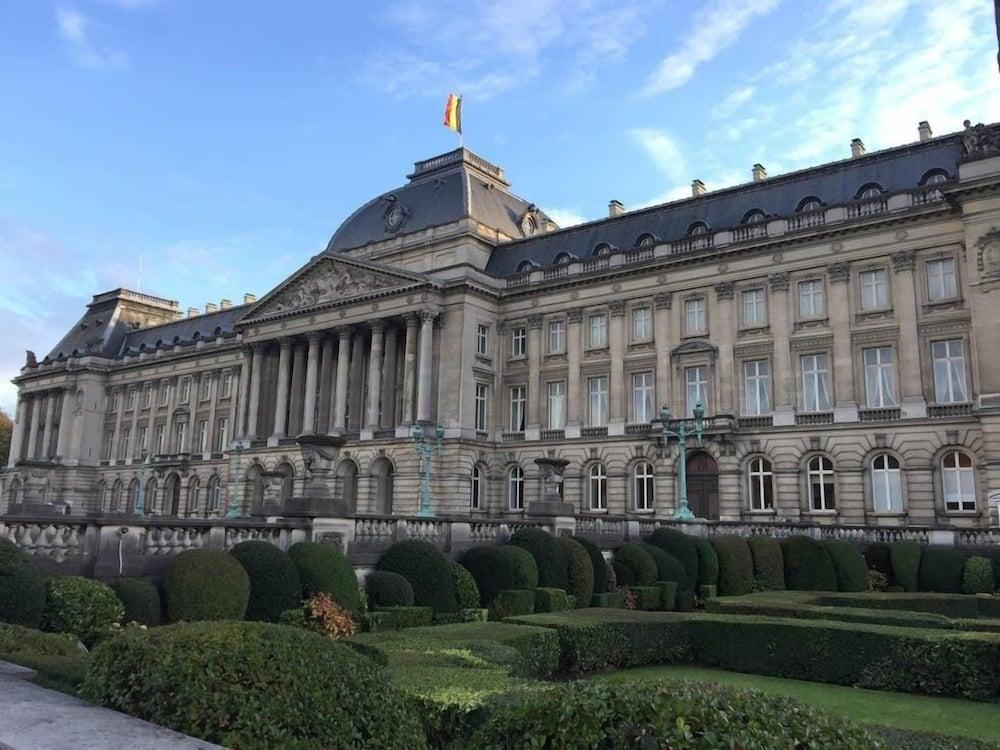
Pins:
x: 703, y: 486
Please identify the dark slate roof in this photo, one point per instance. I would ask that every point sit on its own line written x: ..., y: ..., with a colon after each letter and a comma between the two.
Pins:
x: 184, y: 331
x: 441, y: 190
x: 895, y: 169
x: 98, y: 333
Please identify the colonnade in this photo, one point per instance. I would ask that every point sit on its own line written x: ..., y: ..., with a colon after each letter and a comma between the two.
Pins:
x: 35, y: 425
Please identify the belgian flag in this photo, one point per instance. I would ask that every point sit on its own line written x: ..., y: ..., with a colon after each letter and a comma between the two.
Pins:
x: 453, y: 113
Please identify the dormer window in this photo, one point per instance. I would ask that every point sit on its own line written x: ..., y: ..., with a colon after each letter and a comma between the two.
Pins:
x: 809, y: 203
x: 698, y: 228
x: 645, y: 240
x: 754, y: 216
x: 870, y: 192
x: 602, y: 250
x: 563, y: 259
x: 525, y: 266
x: 529, y: 225
x: 934, y: 177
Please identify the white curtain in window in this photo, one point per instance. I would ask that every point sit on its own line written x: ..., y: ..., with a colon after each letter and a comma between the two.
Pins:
x: 887, y: 484
x: 880, y: 376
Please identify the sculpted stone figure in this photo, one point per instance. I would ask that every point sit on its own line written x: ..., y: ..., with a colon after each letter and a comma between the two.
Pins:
x: 979, y: 140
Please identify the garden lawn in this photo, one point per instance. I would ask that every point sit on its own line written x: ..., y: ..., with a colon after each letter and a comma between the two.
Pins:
x: 918, y: 713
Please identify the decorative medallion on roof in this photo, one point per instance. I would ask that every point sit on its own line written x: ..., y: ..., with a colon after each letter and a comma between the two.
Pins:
x: 395, y: 214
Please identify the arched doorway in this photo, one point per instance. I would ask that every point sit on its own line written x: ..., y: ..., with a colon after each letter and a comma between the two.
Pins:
x: 381, y: 478
x: 347, y: 473
x: 172, y: 495
x: 703, y: 486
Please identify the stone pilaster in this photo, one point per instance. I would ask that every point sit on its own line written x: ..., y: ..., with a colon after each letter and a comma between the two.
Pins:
x: 66, y: 425
x: 784, y: 379
x: 839, y: 311
x: 409, y: 368
x: 725, y: 322
x: 324, y: 418
x: 356, y: 386
x: 904, y: 303
x: 343, y: 364
x: 662, y: 305
x: 389, y: 368
x: 616, y: 349
x: 574, y: 391
x: 533, y: 425
x: 250, y: 427
x: 50, y: 418
x: 18, y: 434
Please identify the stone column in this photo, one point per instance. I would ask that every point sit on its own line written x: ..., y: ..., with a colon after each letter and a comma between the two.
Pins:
x: 136, y: 448
x: 66, y: 425
x: 281, y: 399
x: 325, y: 398
x: 532, y: 428
x: 616, y: 348
x: 409, y: 368
x: 168, y: 429
x: 214, y: 391
x: 356, y: 386
x: 662, y: 304
x: 905, y: 305
x: 574, y: 396
x: 17, y: 436
x: 312, y: 377
x: 845, y: 407
x: 375, y: 374
x: 194, y: 403
x: 724, y: 327
x: 343, y: 363
x: 388, y: 418
x: 784, y: 408
x: 298, y: 388
x: 424, y: 384
x: 238, y: 400
x: 250, y: 426
x: 117, y: 435
x: 36, y: 417
x: 50, y: 417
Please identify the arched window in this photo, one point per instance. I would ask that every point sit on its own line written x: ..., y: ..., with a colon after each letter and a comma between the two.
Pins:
x: 287, y: 480
x: 214, y: 494
x: 347, y: 472
x: 597, y: 489
x: 697, y: 228
x: 602, y: 249
x: 809, y: 203
x: 194, y: 495
x: 151, y: 500
x: 562, y: 259
x: 101, y: 495
x: 958, y: 481
x: 869, y: 192
x: 116, y: 496
x: 515, y: 488
x: 645, y: 240
x: 761, y: 479
x: 822, y: 495
x: 524, y: 266
x: 934, y: 177
x: 476, y: 489
x: 381, y: 479
x: 133, y: 495
x: 642, y: 486
x: 754, y: 216
x: 887, y: 484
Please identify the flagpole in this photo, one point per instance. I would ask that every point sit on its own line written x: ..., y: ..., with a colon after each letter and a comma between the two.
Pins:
x: 461, y: 125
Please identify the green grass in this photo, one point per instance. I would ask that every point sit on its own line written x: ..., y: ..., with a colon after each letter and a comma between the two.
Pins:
x: 918, y: 713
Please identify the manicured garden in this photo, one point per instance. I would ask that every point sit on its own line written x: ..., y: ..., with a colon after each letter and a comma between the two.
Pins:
x: 538, y: 642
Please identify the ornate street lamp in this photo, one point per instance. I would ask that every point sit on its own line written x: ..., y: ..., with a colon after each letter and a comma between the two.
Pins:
x: 681, y: 434
x: 426, y: 448
x: 234, y: 498
x: 140, y: 493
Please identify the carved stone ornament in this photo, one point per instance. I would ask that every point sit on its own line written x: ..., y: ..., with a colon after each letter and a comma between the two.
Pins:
x: 664, y: 301
x: 839, y: 272
x: 979, y: 140
x: 725, y: 290
x: 778, y: 281
x: 329, y: 281
x: 575, y: 315
x: 617, y: 308
x: 904, y: 260
x: 988, y: 255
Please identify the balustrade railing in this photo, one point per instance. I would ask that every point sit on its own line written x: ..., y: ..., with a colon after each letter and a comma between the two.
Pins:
x: 949, y: 410
x: 54, y: 539
x: 806, y: 220
x: 861, y: 209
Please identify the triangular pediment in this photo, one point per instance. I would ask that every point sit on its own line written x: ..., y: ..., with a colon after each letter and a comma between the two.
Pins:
x: 329, y: 280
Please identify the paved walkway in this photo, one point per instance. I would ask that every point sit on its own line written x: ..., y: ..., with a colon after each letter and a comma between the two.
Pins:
x: 34, y: 718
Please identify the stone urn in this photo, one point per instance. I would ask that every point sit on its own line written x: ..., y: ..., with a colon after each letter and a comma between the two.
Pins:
x: 550, y: 470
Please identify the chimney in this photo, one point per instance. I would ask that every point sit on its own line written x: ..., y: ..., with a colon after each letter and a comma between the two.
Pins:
x: 759, y: 173
x: 615, y: 208
x: 697, y: 188
x: 210, y: 307
x: 924, y: 128
x: 225, y: 304
x: 249, y: 298
x: 192, y: 311
x: 857, y: 148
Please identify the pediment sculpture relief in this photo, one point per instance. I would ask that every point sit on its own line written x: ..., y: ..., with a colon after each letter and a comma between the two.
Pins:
x: 330, y: 282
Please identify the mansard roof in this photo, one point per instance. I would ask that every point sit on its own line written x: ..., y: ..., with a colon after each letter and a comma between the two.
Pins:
x: 894, y: 169
x: 185, y: 331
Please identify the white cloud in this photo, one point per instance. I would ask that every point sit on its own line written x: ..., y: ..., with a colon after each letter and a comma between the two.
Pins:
x: 713, y: 30
x: 74, y: 28
x: 733, y: 101
x: 663, y: 149
x: 565, y: 217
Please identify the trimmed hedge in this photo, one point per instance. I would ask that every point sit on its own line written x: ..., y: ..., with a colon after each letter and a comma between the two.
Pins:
x: 323, y: 569
x: 949, y: 605
x: 551, y: 600
x: 848, y: 564
x: 512, y: 603
x: 423, y: 565
x: 682, y: 548
x: 905, y: 557
x: 941, y: 570
x: 806, y: 609
x: 22, y: 587
x: 878, y: 556
x: 283, y: 687
x: 500, y: 567
x: 141, y: 600
x: 17, y: 641
x: 638, y: 561
x: 708, y: 562
x: 397, y: 618
x: 205, y: 584
x: 548, y: 553
x: 735, y: 565
x: 648, y: 598
x: 977, y: 576
x: 808, y: 566
x: 466, y: 590
x: 387, y: 589
x: 274, y: 579
x: 668, y: 594
x: 609, y: 600
x: 668, y: 567
x: 768, y: 563
x: 598, y: 563
x: 623, y: 574
x: 579, y: 570
x: 82, y: 606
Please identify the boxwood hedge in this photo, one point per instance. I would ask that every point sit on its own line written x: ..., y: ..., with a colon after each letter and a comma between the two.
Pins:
x: 423, y: 565
x: 82, y: 606
x: 323, y: 569
x: 683, y: 549
x: 848, y: 564
x: 579, y: 571
x: 598, y: 563
x: 274, y: 579
x: 466, y: 590
x: 977, y: 576
x: 204, y: 584
x: 708, y: 562
x: 636, y: 559
x: 941, y: 570
x: 141, y: 599
x: 22, y: 587
x: 735, y: 565
x: 668, y: 567
x: 500, y: 567
x: 387, y: 589
x: 548, y: 553
x: 808, y: 566
x: 905, y: 557
x: 768, y: 563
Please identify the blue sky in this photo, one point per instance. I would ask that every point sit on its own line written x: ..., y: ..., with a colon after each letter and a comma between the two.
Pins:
x: 222, y: 142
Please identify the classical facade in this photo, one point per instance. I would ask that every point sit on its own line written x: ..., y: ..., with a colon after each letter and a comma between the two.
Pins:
x: 839, y: 326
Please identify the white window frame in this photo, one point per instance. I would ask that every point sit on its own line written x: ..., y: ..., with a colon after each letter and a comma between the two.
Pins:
x: 757, y: 387
x: 123, y: 445
x: 760, y: 484
x: 161, y: 439
x: 879, y: 363
x: 557, y: 404
x: 597, y: 487
x: 202, y: 436
x: 518, y: 341
x: 887, y: 484
x: 214, y: 494
x: 643, y: 397
x: 950, y: 373
x: 482, y: 406
x: 557, y: 336
x: 642, y: 324
x: 476, y: 488
x: 227, y: 384
x: 754, y: 302
x: 695, y: 316
x: 874, y: 286
x: 116, y: 397
x: 482, y: 339
x: 109, y: 443
x: 942, y: 279
x: 185, y: 390
x: 222, y: 434
x: 517, y: 399
x: 597, y: 331
x: 164, y: 393
x: 597, y: 401
x: 643, y: 487
x: 961, y: 495
x: 812, y: 299
x: 515, y: 489
x: 130, y: 400
x: 697, y: 388
x: 180, y: 432
x: 815, y: 369
x: 194, y: 495
x: 147, y: 395
x: 205, y: 389
x: 824, y: 474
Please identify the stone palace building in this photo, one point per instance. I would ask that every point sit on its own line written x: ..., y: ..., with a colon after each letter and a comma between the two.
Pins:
x: 840, y: 326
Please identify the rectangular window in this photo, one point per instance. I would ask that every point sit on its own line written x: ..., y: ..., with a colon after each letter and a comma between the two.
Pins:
x: 222, y: 434
x: 518, y: 341
x: 130, y: 403
x: 147, y: 395
x: 811, y: 303
x: 517, y: 394
x: 180, y: 433
x: 949, y: 372
x: 482, y: 340
x: 115, y: 399
x: 815, y: 382
x: 643, y: 393
x: 880, y: 376
x: 942, y: 283
x: 161, y: 440
x: 597, y: 331
x: 757, y: 385
x: 185, y: 394
x: 141, y: 442
x: 642, y: 324
x: 164, y: 393
x: 227, y: 384
x: 109, y: 442
x: 694, y: 315
x: 123, y: 445
x: 202, y: 436
x: 696, y: 385
x: 754, y: 313
x: 597, y: 398
x: 557, y: 336
x: 557, y: 405
x: 482, y: 405
x: 206, y: 387
x: 874, y: 290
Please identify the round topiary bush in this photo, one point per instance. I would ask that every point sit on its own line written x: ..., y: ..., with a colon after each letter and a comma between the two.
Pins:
x: 423, y: 565
x: 579, y: 570
x: 622, y: 574
x: 500, y: 567
x: 905, y: 557
x: 466, y: 589
x: 682, y: 548
x: 768, y: 564
x: 252, y: 685
x: 81, y: 606
x: 22, y: 587
x: 635, y: 557
x: 204, y: 584
x: 849, y: 565
x: 141, y: 600
x: 941, y: 570
x: 548, y: 554
x: 668, y: 567
x: 735, y: 565
x: 598, y: 563
x: 708, y: 562
x: 274, y: 580
x: 808, y: 566
x: 323, y: 569
x: 977, y: 576
x: 386, y: 589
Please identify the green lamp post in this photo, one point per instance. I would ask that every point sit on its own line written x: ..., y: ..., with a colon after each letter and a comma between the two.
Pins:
x: 426, y: 448
x: 681, y: 434
x: 140, y: 493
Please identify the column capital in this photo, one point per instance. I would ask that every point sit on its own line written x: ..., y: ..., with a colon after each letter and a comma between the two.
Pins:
x: 411, y: 319
x: 314, y: 337
x: 840, y: 272
x: 535, y: 321
x: 725, y: 290
x: 574, y: 315
x: 377, y: 325
x: 664, y: 301
x: 904, y: 260
x: 344, y: 333
x: 285, y: 342
x: 428, y: 316
x: 778, y: 282
x: 616, y: 308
